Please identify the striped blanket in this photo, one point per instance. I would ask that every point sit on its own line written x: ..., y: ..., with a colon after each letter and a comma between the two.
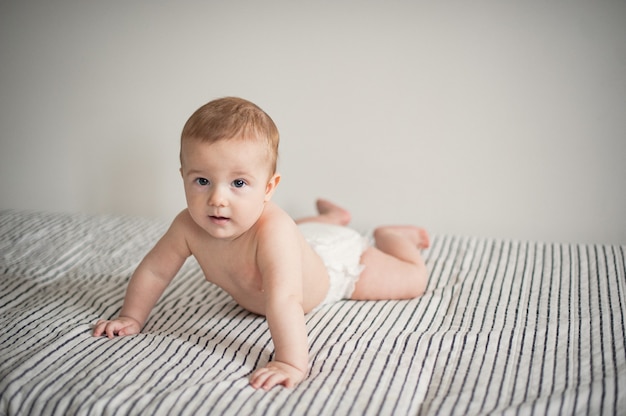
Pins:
x: 505, y: 327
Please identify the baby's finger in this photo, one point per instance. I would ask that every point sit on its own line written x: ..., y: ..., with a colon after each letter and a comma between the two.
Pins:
x: 274, y: 379
x: 258, y: 377
x: 98, y: 329
x: 262, y: 379
x: 111, y: 329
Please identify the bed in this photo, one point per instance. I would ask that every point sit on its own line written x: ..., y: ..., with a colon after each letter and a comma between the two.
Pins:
x: 506, y: 327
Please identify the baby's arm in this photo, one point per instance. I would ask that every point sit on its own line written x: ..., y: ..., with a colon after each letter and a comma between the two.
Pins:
x: 281, y: 267
x: 148, y: 283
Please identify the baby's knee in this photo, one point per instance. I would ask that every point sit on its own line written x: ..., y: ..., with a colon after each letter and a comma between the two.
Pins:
x: 381, y: 232
x: 419, y: 279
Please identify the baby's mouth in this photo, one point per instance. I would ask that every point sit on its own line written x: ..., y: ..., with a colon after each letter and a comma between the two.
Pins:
x: 218, y: 220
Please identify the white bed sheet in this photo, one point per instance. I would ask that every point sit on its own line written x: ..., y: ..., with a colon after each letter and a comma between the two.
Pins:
x: 505, y: 327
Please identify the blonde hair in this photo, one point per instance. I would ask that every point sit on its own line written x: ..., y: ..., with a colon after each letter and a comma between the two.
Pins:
x: 232, y: 118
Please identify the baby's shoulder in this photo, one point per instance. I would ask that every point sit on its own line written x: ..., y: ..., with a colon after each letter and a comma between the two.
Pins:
x: 183, y: 221
x: 275, y: 222
x: 184, y: 227
x: 274, y: 214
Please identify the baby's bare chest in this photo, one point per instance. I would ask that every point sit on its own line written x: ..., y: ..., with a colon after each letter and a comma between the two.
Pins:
x: 234, y: 269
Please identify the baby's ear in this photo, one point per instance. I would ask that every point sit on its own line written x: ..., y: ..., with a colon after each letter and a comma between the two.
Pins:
x: 271, y: 186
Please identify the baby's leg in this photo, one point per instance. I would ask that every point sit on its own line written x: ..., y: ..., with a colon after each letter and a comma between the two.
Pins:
x: 418, y: 236
x: 394, y: 269
x: 328, y: 213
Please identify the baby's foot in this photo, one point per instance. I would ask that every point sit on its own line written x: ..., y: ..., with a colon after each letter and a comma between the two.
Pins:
x: 424, y: 238
x: 334, y: 213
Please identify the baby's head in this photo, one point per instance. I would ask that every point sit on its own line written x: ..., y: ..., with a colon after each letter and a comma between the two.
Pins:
x: 232, y: 118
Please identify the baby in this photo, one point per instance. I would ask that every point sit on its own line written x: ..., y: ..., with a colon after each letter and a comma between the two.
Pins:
x: 252, y: 249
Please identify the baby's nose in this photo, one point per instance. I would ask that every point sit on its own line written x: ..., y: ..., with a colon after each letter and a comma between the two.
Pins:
x: 217, y: 198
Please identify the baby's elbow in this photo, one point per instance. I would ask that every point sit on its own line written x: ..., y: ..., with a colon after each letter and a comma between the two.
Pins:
x: 285, y: 301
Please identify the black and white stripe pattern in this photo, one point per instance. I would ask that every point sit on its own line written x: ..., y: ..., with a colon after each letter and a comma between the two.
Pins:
x: 505, y: 327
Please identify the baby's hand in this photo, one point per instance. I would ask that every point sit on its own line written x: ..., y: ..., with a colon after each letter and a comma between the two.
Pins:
x: 120, y: 327
x: 276, y: 373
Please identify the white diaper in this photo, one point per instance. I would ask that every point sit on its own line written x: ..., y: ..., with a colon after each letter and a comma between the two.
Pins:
x: 340, y: 249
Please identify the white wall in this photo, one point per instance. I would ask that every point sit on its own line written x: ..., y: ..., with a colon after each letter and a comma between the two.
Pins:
x: 499, y: 118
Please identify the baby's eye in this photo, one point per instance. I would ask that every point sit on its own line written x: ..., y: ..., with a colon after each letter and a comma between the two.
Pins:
x: 239, y: 183
x: 202, y: 181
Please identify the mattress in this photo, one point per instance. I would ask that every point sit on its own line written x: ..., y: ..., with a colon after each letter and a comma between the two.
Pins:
x: 507, y: 327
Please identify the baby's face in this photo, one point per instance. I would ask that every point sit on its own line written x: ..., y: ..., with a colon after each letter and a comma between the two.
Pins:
x: 227, y: 184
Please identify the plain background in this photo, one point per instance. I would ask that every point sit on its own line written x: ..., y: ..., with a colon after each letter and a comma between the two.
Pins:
x: 502, y: 119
